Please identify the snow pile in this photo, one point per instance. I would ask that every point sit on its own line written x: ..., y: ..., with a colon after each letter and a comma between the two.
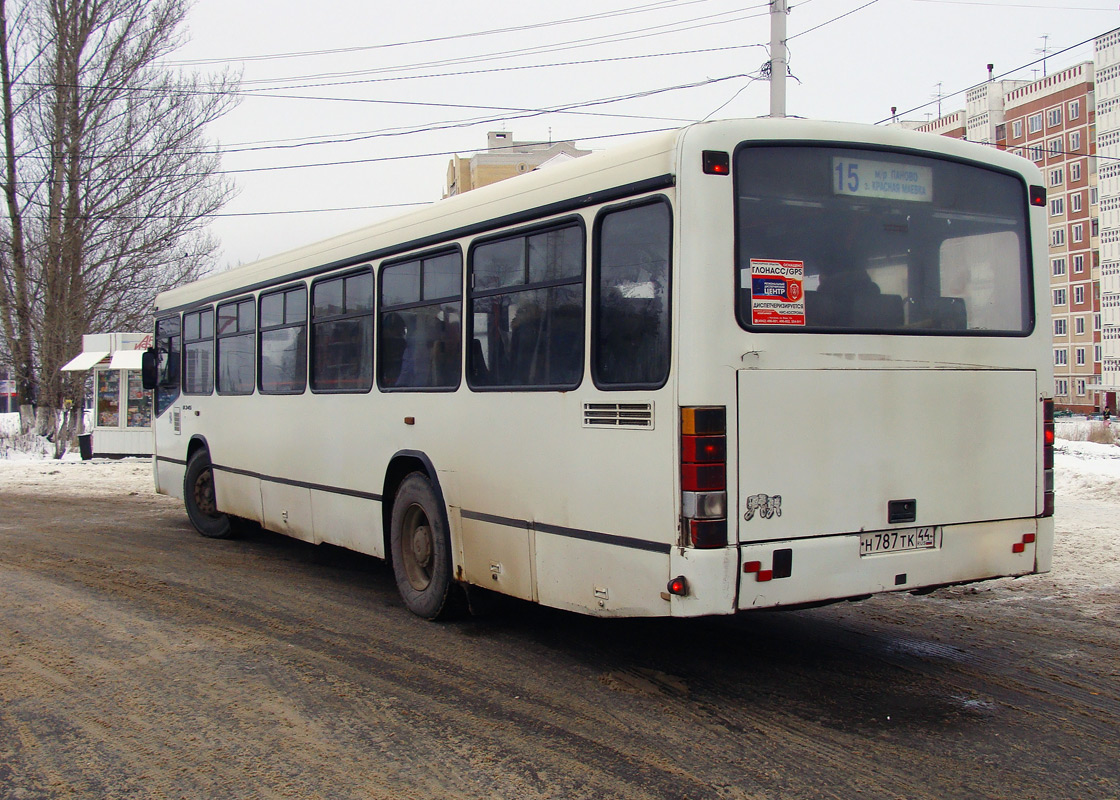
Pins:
x: 9, y: 425
x: 1087, y: 471
x: 16, y: 445
x: 71, y: 476
x: 1085, y: 430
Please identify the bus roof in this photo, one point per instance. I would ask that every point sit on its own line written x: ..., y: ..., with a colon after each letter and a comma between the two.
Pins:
x: 647, y: 158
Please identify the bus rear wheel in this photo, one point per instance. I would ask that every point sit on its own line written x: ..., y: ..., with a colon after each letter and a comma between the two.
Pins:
x: 201, y: 500
x: 421, y: 549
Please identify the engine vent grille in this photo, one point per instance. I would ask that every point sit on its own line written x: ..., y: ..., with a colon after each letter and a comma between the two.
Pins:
x: 618, y: 415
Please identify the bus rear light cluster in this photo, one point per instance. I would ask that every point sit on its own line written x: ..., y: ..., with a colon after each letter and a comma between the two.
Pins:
x: 1019, y: 547
x: 1047, y: 458
x: 704, y: 475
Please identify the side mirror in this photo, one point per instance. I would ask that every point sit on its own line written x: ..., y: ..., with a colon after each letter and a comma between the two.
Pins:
x: 149, y: 369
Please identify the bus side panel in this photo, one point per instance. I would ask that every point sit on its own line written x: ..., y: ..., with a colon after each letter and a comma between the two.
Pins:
x: 239, y: 495
x: 497, y: 556
x: 604, y: 580
x: 350, y: 522
x: 169, y: 478
x: 287, y: 510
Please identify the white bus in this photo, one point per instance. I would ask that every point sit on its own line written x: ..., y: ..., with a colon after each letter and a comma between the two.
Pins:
x: 741, y: 365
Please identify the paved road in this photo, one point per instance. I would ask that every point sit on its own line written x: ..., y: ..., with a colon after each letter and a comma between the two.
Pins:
x: 139, y: 660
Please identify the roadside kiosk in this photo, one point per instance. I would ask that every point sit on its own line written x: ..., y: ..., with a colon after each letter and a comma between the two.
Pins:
x: 122, y: 410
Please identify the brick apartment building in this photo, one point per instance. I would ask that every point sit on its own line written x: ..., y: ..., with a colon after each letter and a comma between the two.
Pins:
x: 1055, y: 122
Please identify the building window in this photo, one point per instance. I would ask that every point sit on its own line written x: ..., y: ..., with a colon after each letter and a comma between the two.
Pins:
x: 342, y: 333
x: 1078, y: 295
x: 283, y: 341
x: 1058, y: 266
x: 1093, y: 196
x: 1057, y: 206
x: 1097, y: 324
x: 1017, y: 129
x: 1079, y: 356
x: 1061, y: 388
x: 1060, y: 357
x: 1075, y: 202
x: 1097, y: 353
x: 1055, y: 146
x: 1054, y: 117
x: 631, y: 312
x: 1034, y: 123
x: 1079, y: 263
x: 1057, y: 237
x: 237, y: 347
x: 1060, y: 327
x: 1059, y: 297
x: 1074, y: 109
x: 1081, y: 387
x: 1075, y: 171
x: 1078, y: 232
x: 420, y: 327
x: 1079, y: 325
x: 198, y: 352
x: 1075, y: 141
x: 527, y: 316
x: 1037, y: 152
x: 1055, y: 177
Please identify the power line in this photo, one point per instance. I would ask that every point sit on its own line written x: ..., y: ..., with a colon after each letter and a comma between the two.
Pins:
x: 576, y: 44
x: 996, y: 78
x: 834, y: 19
x: 661, y: 5
x: 528, y: 113
x: 1014, y: 5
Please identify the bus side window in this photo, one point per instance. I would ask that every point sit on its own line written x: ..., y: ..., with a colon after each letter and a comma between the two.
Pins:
x: 527, y: 310
x: 283, y: 341
x: 420, y: 330
x: 198, y: 352
x: 236, y: 336
x: 168, y: 359
x: 342, y: 333
x: 631, y: 313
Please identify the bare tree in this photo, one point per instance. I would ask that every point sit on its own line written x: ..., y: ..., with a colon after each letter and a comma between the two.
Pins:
x: 109, y: 179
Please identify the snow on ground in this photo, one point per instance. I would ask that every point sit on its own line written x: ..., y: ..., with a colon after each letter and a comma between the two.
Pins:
x: 1087, y: 480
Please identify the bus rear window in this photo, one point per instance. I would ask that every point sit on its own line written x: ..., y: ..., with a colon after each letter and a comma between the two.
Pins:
x: 873, y: 241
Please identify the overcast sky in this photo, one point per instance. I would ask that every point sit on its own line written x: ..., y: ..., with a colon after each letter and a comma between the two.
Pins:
x: 392, y: 89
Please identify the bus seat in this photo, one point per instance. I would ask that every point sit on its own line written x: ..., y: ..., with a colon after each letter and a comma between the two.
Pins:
x: 820, y: 310
x: 937, y: 313
x: 476, y: 364
x: 878, y: 311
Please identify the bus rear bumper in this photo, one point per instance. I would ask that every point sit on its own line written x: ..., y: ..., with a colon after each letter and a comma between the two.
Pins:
x: 821, y: 569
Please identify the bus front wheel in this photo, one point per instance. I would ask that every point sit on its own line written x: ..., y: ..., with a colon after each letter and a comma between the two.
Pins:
x: 421, y: 548
x: 201, y: 500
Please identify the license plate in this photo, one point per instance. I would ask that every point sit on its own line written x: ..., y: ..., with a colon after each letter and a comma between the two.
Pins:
x: 871, y: 544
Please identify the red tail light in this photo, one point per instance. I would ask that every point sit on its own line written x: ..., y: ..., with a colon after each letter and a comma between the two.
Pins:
x: 1047, y: 458
x: 704, y: 476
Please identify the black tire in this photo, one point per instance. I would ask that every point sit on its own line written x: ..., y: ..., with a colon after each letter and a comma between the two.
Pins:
x: 200, y: 499
x: 421, y: 549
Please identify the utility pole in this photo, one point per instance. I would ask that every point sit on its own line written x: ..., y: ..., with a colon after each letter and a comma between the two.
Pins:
x: 779, y: 57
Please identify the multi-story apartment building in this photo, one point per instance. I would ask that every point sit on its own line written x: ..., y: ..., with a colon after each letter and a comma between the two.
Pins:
x: 1051, y: 121
x: 1106, y: 58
